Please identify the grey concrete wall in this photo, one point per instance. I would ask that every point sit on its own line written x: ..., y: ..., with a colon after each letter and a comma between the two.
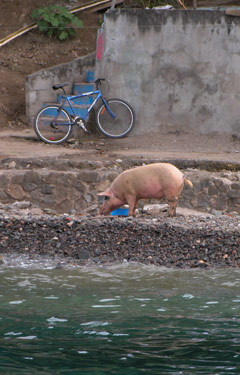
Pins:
x: 175, y: 67
x: 39, y: 84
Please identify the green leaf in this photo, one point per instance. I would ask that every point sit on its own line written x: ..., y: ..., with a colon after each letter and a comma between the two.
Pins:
x: 63, y: 35
x: 64, y: 11
x: 68, y: 16
x: 71, y: 31
x: 36, y: 13
x: 63, y: 21
x: 50, y: 32
x: 47, y: 17
x: 51, y: 8
x: 78, y: 22
x: 56, y: 20
x: 43, y: 26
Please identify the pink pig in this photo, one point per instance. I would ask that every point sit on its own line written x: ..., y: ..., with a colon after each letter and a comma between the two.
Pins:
x: 157, y: 181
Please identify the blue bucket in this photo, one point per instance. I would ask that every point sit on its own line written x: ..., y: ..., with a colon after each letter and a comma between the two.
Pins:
x: 120, y: 212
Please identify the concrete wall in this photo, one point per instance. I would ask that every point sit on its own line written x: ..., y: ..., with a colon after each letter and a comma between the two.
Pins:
x: 39, y: 84
x: 175, y: 67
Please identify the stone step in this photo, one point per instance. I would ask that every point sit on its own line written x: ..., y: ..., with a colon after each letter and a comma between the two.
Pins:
x: 85, y: 100
x: 79, y: 110
x: 90, y: 76
x: 81, y: 88
x: 81, y: 104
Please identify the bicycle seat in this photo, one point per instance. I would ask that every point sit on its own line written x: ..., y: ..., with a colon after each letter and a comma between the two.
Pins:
x: 59, y: 86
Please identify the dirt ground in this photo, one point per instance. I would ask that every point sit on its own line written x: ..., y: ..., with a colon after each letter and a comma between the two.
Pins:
x: 167, y: 145
x: 34, y: 51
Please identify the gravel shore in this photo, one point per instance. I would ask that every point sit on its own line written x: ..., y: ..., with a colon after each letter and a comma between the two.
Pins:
x: 180, y: 242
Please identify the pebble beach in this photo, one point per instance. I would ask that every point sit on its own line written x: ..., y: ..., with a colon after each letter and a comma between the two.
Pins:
x: 179, y: 242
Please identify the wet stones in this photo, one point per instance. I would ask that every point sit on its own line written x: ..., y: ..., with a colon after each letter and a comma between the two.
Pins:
x: 181, y: 242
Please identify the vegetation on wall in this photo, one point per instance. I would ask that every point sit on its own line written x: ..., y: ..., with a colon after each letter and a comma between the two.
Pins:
x: 187, y: 4
x: 56, y: 21
x: 154, y: 3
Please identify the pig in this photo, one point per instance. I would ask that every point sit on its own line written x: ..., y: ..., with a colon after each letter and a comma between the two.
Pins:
x: 152, y: 181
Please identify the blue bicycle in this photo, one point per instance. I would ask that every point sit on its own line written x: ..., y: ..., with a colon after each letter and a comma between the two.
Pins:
x: 53, y: 123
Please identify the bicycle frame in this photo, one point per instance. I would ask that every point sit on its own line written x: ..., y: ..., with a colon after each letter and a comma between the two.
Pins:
x: 68, y: 99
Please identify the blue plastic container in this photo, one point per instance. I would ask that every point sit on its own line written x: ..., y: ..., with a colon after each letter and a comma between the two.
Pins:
x: 120, y: 212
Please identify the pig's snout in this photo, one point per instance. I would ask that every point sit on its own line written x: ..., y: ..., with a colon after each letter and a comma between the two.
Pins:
x: 104, y: 211
x: 103, y: 200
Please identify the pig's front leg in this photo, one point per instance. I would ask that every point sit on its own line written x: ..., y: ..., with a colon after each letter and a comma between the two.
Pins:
x: 132, y: 202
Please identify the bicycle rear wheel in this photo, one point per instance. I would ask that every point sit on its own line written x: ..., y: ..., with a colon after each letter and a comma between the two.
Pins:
x: 52, y: 124
x: 119, y: 126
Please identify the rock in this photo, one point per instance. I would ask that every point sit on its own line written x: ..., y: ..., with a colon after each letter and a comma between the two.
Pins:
x: 12, y: 165
x: 182, y: 242
x: 217, y: 212
x: 22, y: 205
x: 190, y: 212
x: 49, y: 211
x: 154, y: 209
x: 91, y: 208
x: 83, y: 254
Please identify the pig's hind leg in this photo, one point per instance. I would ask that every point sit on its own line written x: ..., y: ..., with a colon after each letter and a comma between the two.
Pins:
x: 172, y: 196
x: 172, y: 202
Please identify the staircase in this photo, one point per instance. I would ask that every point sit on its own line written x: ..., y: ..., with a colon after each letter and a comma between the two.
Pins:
x: 81, y: 105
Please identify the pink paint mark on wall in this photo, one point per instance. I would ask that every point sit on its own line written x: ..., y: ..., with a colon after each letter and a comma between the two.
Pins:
x: 100, y: 46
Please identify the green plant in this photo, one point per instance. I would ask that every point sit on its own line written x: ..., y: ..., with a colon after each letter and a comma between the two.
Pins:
x: 56, y: 21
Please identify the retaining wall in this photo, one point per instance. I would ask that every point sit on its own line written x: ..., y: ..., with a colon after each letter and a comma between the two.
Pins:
x: 65, y: 186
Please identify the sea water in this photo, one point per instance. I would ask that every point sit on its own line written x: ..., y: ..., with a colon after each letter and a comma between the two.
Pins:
x: 127, y: 319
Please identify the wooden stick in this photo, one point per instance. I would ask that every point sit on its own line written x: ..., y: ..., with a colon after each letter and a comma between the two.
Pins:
x: 181, y: 3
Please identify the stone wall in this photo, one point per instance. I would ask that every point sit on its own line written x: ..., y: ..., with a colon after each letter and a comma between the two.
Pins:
x: 175, y: 67
x: 65, y: 186
x: 213, y: 191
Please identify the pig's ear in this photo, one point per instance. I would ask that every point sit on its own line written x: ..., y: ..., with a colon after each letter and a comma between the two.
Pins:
x: 105, y: 194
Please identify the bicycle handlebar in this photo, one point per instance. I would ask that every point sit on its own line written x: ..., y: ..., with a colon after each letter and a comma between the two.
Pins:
x: 98, y: 82
x: 62, y: 85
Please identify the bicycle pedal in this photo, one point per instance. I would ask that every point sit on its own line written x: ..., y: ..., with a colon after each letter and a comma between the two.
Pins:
x: 83, y: 128
x: 80, y: 123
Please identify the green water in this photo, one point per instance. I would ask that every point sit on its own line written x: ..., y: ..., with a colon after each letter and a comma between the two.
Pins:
x: 127, y: 320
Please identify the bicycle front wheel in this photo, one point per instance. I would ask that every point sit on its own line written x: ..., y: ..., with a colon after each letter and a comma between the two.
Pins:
x: 119, y: 125
x: 52, y: 124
